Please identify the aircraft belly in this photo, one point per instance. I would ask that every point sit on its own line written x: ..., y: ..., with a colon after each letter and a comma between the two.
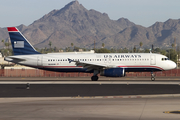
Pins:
x: 67, y: 69
x: 143, y: 69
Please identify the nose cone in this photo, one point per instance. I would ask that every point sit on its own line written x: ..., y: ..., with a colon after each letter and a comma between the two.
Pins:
x: 173, y: 64
x: 169, y: 65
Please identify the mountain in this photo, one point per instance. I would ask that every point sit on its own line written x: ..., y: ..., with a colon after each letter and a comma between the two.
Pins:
x: 160, y: 34
x: 72, y: 24
x: 166, y: 32
x: 75, y: 24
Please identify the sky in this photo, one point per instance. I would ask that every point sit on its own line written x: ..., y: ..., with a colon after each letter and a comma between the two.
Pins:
x: 141, y: 12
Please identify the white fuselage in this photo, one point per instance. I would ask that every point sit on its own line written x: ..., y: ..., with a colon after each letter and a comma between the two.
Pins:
x: 140, y: 62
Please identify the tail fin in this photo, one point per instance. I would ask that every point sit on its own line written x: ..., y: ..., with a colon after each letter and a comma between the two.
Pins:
x: 20, y: 44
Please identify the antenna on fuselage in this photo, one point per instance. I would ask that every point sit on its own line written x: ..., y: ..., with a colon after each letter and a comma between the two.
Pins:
x: 94, y: 44
x: 150, y: 51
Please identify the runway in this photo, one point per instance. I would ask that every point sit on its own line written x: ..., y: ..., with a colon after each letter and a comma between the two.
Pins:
x: 73, y: 90
x: 87, y: 100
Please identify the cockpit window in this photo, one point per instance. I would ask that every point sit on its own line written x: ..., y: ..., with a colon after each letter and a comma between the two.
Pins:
x: 163, y: 59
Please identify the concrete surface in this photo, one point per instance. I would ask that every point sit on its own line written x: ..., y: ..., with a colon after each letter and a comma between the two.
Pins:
x: 89, y: 109
x: 114, y: 99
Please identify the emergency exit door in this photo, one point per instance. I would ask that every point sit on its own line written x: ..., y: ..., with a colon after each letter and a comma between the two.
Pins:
x: 153, y: 60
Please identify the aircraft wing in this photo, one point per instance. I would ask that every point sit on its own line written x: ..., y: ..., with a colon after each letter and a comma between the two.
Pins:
x: 89, y: 65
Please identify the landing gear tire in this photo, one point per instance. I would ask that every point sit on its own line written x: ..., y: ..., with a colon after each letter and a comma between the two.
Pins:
x: 94, y: 78
x: 152, y: 77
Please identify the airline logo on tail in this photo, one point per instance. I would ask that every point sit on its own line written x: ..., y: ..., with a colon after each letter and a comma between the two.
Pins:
x: 20, y: 44
x: 17, y: 44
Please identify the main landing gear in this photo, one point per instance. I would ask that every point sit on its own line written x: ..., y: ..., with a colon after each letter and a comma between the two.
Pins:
x: 152, y: 76
x: 95, y: 77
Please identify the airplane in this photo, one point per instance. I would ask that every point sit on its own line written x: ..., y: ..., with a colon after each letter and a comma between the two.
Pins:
x: 105, y: 64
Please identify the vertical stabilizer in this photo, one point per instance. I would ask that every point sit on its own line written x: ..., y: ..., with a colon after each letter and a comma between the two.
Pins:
x: 20, y: 44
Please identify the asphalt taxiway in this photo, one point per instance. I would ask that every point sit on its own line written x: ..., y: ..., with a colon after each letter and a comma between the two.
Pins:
x: 85, y: 90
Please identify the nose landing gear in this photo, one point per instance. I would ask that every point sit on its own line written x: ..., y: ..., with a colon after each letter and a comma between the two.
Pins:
x: 152, y: 76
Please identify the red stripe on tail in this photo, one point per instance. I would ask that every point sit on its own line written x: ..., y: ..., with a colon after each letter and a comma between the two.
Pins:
x: 12, y: 29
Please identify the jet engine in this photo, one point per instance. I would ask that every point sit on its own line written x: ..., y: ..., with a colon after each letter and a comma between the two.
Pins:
x: 113, y: 72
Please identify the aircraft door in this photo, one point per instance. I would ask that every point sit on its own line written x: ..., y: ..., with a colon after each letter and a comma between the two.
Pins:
x: 40, y: 61
x: 153, y: 60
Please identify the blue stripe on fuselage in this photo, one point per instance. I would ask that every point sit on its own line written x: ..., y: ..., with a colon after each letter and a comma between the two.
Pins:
x: 84, y: 69
x: 142, y: 69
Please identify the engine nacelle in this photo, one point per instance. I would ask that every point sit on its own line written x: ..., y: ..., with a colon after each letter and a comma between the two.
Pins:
x: 113, y: 72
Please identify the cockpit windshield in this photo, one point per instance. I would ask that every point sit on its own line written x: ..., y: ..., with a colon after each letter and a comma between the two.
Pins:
x: 163, y: 59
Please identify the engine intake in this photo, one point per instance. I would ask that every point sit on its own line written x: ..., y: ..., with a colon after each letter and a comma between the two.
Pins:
x: 113, y: 72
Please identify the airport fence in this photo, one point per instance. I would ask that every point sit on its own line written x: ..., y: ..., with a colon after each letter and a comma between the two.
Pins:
x: 43, y: 73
